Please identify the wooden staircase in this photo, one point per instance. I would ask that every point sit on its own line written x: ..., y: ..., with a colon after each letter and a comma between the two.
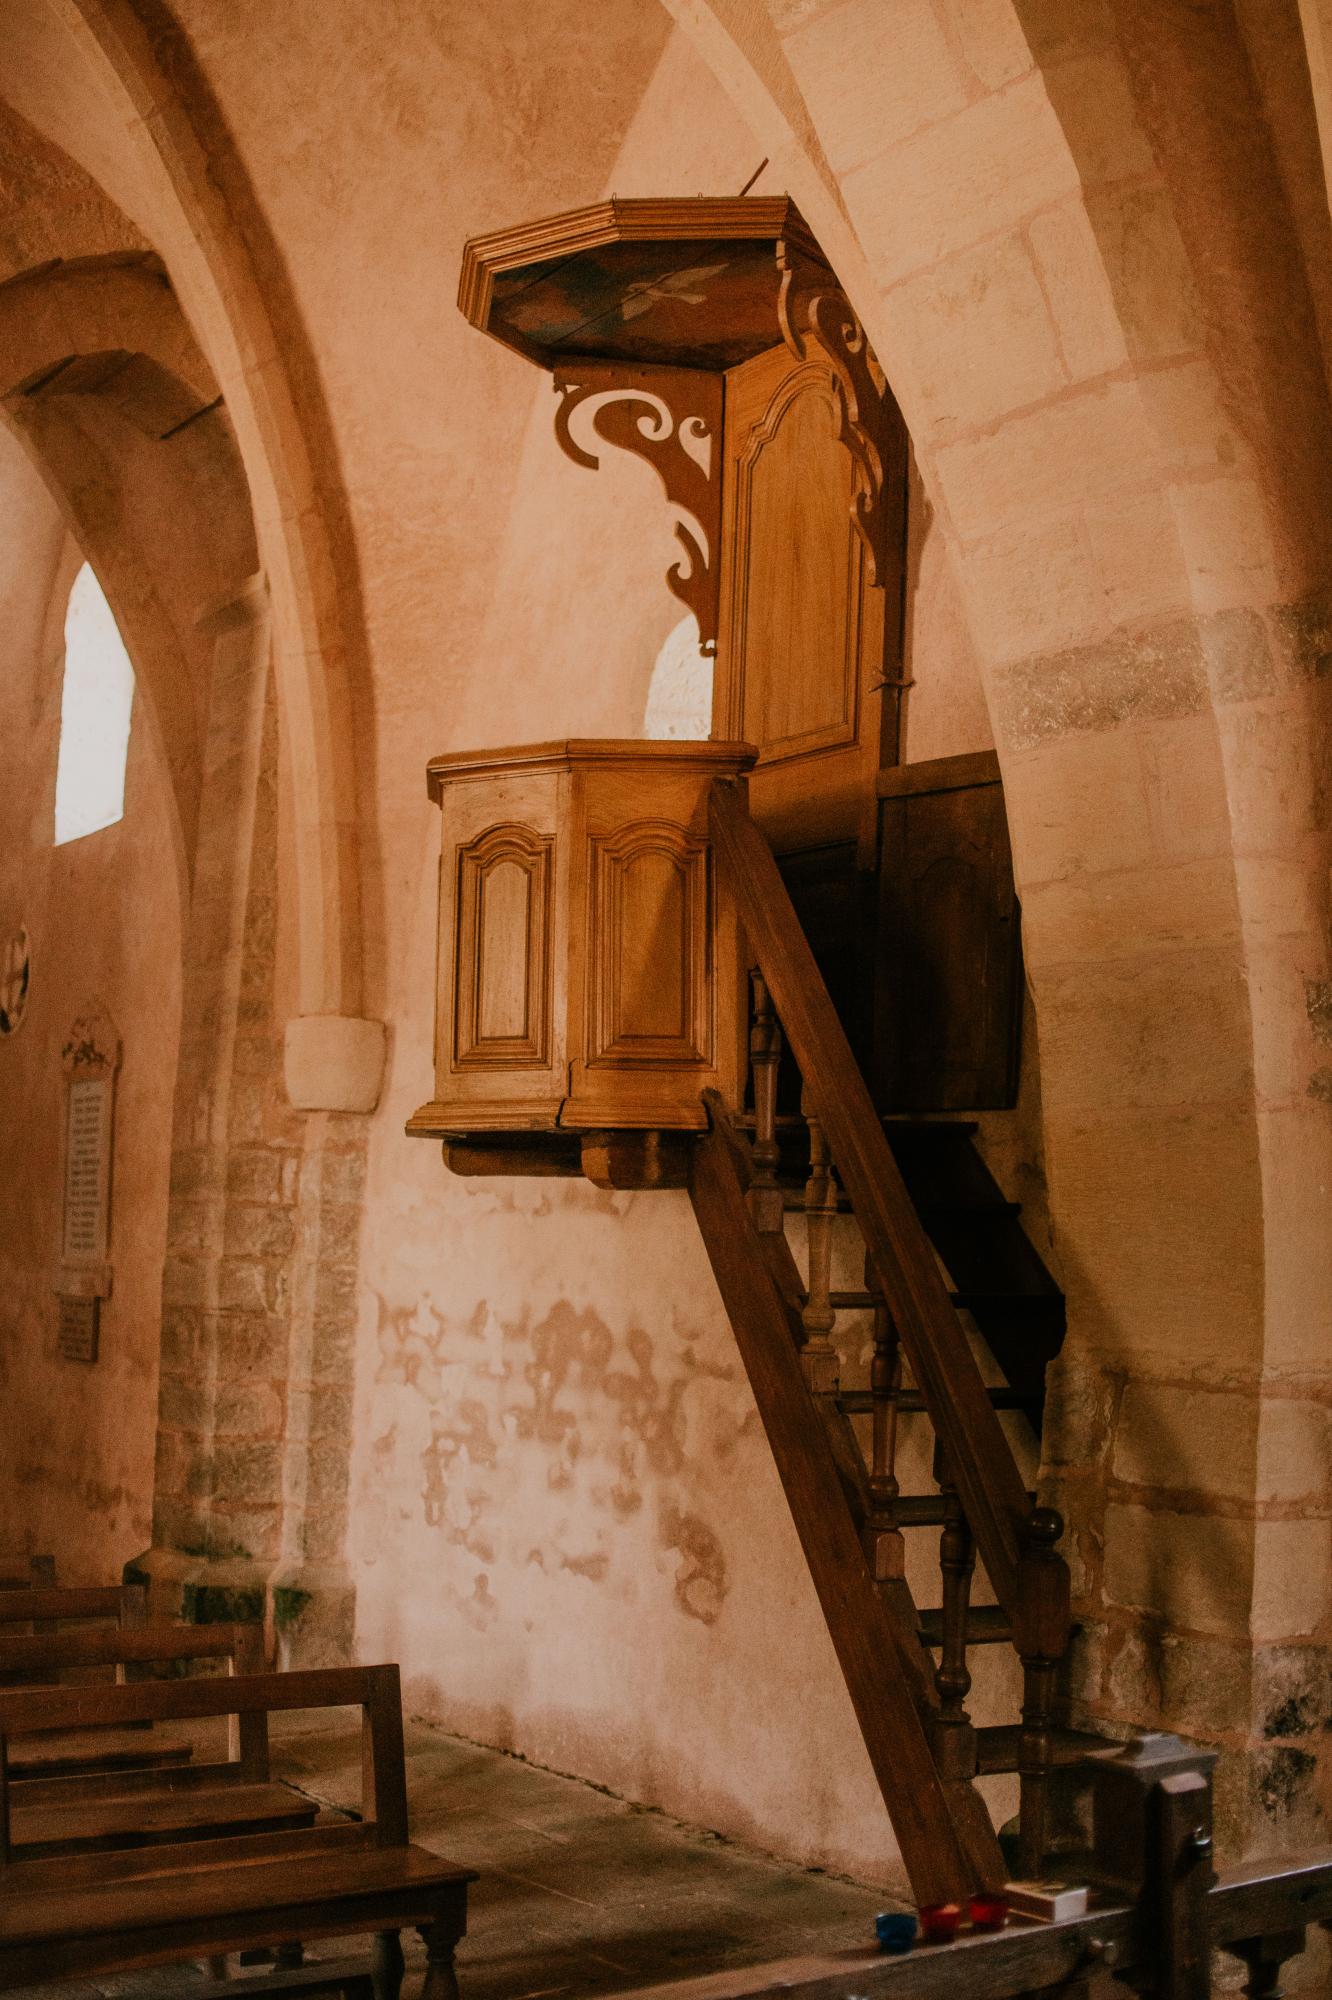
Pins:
x: 941, y: 1246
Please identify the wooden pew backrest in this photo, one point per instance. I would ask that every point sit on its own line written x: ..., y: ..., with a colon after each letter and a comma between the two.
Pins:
x: 44, y: 1657
x: 124, y: 1603
x: 41, y: 1653
x: 376, y: 1691
x: 27, y: 1572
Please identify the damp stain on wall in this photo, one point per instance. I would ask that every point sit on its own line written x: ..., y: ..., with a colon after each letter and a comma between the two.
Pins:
x: 625, y: 1430
x: 700, y: 1576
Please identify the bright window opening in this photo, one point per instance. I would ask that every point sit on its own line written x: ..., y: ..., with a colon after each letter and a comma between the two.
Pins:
x: 679, y: 703
x: 94, y: 716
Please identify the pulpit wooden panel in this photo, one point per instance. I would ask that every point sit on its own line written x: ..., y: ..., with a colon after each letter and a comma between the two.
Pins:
x: 500, y: 1054
x: 800, y: 655
x: 590, y: 977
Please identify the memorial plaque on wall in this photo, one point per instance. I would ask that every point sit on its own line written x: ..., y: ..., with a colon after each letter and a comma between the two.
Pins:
x: 87, y: 1169
x: 76, y: 1336
x: 90, y: 1059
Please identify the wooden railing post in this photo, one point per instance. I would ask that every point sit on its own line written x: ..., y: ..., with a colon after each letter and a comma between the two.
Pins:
x: 818, y: 1356
x: 1041, y: 1638
x: 954, y: 1738
x: 1152, y: 1842
x: 885, y: 1544
x: 765, y: 1055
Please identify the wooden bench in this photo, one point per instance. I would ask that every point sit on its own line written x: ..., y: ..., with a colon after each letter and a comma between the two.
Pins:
x: 47, y: 1605
x: 45, y: 1655
x: 66, y: 1795
x: 26, y: 1572
x: 87, y: 1914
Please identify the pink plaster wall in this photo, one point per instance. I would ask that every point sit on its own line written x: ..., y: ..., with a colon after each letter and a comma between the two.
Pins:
x: 102, y: 917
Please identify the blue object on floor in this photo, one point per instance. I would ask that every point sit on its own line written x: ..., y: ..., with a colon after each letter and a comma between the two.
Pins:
x: 896, y: 1930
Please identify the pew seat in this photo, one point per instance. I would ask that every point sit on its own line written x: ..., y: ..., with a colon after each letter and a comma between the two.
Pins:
x: 81, y: 1753
x: 145, y: 1819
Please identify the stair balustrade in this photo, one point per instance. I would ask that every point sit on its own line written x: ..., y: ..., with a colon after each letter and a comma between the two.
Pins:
x: 982, y: 1506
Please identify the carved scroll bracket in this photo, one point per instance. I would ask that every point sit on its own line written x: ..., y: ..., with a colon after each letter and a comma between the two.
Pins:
x: 672, y: 417
x: 811, y: 305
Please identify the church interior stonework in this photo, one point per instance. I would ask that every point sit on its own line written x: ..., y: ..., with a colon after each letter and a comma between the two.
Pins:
x: 666, y: 998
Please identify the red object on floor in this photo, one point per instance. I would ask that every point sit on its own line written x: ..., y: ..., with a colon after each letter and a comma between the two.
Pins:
x: 939, y: 1922
x: 988, y: 1913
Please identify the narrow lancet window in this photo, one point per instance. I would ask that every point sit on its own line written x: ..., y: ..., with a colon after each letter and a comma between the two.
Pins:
x: 94, y: 716
x: 679, y: 703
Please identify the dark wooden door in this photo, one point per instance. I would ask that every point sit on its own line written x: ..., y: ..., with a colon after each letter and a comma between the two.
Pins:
x: 948, y: 985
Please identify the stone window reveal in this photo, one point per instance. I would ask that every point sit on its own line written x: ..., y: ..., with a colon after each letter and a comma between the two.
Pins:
x: 95, y: 708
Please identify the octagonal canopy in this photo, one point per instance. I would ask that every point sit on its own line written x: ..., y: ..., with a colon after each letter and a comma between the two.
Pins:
x: 684, y: 283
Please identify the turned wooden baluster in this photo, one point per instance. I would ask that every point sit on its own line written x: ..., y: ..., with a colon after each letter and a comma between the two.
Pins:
x: 765, y: 1054
x: 1041, y: 1644
x: 955, y: 1740
x: 885, y: 1544
x: 818, y: 1356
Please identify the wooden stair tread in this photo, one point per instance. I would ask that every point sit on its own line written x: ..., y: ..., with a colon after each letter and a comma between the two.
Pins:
x: 969, y: 1301
x: 975, y: 1209
x: 76, y: 1753
x: 893, y: 1125
x: 158, y: 1901
x: 140, y: 1819
x: 920, y: 1510
x: 924, y: 1510
x: 910, y: 1402
x: 927, y: 1129
x: 997, y: 1747
x: 987, y: 1625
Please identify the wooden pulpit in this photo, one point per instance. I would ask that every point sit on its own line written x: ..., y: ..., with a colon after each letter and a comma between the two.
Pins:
x: 590, y: 974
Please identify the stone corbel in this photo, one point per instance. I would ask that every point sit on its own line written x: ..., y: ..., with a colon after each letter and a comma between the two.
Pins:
x: 333, y: 1062
x: 812, y: 306
x: 672, y: 417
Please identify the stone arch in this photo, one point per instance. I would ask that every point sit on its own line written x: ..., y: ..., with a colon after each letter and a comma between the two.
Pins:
x: 147, y: 124
x: 102, y: 382
x: 1085, y: 251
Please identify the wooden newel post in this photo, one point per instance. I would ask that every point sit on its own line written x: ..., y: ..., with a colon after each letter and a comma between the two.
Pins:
x: 1152, y: 1840
x: 765, y: 1055
x: 819, y: 1357
x: 1042, y: 1640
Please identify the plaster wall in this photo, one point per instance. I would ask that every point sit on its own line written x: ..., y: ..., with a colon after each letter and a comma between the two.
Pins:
x: 103, y: 920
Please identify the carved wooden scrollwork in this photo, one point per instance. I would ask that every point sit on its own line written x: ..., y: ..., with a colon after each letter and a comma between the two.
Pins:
x: 672, y: 417
x: 811, y: 304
